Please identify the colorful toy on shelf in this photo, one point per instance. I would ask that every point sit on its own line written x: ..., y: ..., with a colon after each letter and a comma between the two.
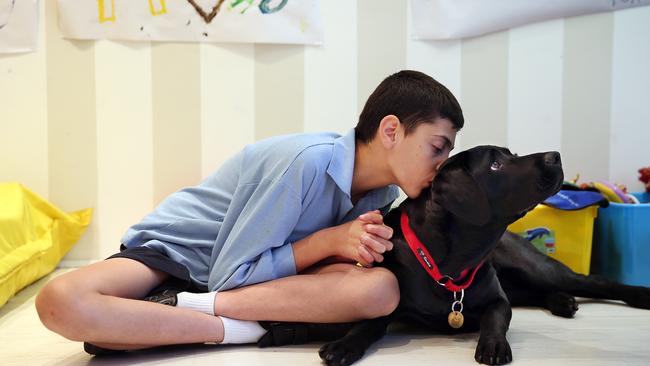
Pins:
x: 644, y: 176
x: 616, y: 193
x: 612, y: 192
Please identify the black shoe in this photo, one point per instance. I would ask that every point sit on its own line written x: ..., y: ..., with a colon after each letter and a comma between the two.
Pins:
x: 99, y: 351
x: 284, y: 333
x: 166, y: 297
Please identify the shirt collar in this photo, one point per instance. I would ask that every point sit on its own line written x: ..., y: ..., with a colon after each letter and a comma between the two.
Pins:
x: 341, y: 169
x: 341, y: 166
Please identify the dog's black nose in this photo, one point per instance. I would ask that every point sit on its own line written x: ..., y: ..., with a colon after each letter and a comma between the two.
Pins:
x: 552, y: 158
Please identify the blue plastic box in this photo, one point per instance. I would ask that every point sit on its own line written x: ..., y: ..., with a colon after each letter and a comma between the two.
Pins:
x: 621, y: 249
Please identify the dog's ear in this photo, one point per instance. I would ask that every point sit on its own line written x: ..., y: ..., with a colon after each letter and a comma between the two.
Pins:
x: 459, y: 193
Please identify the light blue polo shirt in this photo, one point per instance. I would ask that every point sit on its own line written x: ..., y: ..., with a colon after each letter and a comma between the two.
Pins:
x: 236, y: 227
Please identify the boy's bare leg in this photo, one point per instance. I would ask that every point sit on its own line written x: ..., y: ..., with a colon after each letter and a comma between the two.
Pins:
x: 329, y: 294
x: 97, y: 304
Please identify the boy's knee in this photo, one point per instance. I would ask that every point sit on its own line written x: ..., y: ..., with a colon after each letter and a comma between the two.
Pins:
x: 381, y: 294
x: 56, y: 305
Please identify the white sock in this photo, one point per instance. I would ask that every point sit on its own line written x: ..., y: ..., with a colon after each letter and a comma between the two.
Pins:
x: 203, y: 302
x: 241, y: 331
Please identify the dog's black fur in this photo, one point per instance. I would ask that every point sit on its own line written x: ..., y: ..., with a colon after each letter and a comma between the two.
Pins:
x: 462, y: 221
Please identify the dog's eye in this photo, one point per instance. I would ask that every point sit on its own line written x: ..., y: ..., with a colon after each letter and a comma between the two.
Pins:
x: 495, y: 166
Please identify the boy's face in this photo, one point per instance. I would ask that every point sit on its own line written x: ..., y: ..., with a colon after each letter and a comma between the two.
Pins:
x: 417, y: 156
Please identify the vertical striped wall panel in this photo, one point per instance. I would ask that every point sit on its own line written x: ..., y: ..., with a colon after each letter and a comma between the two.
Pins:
x: 484, y: 67
x: 72, y: 134
x: 331, y: 72
x: 23, y: 117
x: 227, y: 102
x: 381, y: 48
x: 118, y: 125
x: 125, y: 183
x: 279, y: 90
x: 535, y: 87
x: 586, y: 96
x: 176, y: 103
x: 630, y: 110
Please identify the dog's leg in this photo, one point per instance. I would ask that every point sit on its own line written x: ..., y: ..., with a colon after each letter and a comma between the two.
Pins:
x: 518, y: 262
x: 598, y: 287
x: 351, y: 348
x: 493, y: 347
x: 559, y: 303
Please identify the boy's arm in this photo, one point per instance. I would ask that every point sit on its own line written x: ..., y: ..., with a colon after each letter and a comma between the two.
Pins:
x: 313, y: 249
x: 362, y: 240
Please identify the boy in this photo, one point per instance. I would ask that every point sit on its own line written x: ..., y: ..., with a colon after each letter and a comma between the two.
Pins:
x: 272, y: 235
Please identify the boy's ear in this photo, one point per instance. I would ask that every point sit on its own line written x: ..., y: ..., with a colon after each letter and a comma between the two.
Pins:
x: 388, y: 130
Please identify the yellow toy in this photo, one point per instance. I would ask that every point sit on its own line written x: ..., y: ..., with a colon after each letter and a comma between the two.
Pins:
x: 34, y: 236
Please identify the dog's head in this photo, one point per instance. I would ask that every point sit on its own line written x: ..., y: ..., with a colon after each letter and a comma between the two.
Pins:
x: 488, y: 183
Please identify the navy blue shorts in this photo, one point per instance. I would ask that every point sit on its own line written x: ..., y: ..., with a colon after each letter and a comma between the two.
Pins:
x: 178, y: 275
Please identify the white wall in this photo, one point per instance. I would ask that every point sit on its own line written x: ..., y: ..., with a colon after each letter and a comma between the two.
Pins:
x: 118, y: 125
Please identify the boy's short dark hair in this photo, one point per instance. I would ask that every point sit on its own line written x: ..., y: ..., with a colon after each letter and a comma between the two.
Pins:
x: 414, y: 98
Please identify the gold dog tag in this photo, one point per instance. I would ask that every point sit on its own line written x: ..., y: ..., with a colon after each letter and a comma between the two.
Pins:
x: 455, y: 319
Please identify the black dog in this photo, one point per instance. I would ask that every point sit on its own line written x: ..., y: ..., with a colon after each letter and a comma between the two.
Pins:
x: 458, y: 269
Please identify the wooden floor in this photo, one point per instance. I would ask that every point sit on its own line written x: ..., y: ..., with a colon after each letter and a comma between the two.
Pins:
x: 601, y: 334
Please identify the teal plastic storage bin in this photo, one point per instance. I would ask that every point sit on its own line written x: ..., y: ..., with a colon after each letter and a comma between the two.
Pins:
x: 621, y: 249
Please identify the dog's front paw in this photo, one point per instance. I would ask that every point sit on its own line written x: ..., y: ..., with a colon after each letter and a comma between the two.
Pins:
x: 493, y: 350
x: 341, y: 353
x: 561, y: 304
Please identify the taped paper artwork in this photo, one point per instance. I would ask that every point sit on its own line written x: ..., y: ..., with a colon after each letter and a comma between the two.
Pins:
x: 247, y: 21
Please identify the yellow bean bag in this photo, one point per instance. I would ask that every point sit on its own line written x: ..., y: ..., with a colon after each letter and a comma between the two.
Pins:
x: 34, y: 236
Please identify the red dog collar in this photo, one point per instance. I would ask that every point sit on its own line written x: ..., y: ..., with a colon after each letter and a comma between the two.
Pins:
x: 427, y: 262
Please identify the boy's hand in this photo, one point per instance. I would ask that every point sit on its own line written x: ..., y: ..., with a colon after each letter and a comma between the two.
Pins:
x: 366, y: 239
